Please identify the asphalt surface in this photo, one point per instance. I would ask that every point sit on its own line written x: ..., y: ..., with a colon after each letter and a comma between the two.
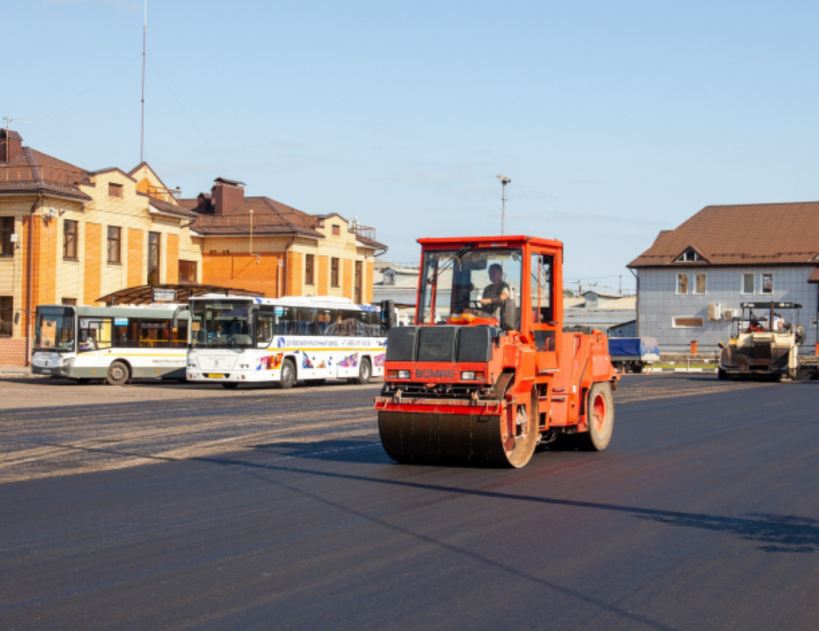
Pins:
x: 702, y: 514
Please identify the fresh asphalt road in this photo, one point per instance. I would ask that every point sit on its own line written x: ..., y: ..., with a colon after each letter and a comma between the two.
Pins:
x: 702, y: 514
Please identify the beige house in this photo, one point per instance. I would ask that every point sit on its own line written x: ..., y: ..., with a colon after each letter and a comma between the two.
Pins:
x: 73, y: 236
x: 70, y: 236
x: 260, y: 244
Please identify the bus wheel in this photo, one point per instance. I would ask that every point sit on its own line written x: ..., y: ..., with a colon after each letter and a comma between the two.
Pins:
x: 365, y: 372
x: 288, y: 376
x: 117, y: 374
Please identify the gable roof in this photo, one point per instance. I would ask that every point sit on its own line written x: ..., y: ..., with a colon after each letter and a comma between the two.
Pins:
x: 36, y: 172
x: 747, y: 234
x: 270, y: 218
x: 167, y: 207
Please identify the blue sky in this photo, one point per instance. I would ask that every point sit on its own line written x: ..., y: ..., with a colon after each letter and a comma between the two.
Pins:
x: 614, y: 119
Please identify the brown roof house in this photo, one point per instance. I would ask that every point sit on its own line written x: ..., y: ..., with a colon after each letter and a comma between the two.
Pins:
x: 260, y: 244
x: 69, y: 236
x: 693, y: 279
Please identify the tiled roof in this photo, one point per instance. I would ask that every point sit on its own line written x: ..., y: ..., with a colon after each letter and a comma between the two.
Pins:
x: 370, y: 243
x: 269, y: 218
x: 167, y: 207
x: 36, y: 172
x: 753, y: 234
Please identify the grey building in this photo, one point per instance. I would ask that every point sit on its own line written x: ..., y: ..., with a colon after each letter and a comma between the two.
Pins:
x: 597, y: 310
x: 692, y: 280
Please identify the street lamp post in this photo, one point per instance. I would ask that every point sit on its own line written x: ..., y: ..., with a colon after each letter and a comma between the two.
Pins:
x: 504, y: 181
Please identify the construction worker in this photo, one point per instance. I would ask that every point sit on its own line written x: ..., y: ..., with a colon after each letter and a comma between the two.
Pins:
x: 497, y: 292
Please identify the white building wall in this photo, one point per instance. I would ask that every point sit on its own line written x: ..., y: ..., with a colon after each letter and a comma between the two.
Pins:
x: 658, y: 302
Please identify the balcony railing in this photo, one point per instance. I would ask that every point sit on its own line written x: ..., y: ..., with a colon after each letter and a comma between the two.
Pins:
x: 365, y: 231
x: 259, y: 221
x: 25, y: 174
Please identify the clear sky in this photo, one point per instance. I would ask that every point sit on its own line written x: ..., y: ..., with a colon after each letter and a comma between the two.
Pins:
x: 614, y: 118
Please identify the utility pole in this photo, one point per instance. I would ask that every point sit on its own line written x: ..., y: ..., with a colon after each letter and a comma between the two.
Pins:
x: 504, y: 181
x: 142, y: 123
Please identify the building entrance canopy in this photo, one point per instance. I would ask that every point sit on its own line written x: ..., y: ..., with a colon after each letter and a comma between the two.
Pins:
x: 144, y: 294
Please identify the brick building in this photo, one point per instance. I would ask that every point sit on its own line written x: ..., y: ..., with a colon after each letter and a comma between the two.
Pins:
x: 259, y: 244
x: 71, y: 236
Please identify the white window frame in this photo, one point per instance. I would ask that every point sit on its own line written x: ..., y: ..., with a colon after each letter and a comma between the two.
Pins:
x: 762, y: 283
x: 689, y: 255
x: 677, y: 285
x: 705, y: 282
x: 742, y: 283
x: 674, y: 324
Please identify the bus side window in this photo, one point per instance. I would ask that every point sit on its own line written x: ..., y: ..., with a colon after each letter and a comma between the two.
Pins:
x: 179, y: 335
x: 306, y: 321
x: 374, y: 321
x: 325, y: 317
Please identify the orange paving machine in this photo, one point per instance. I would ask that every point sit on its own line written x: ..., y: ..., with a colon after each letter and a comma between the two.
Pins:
x: 487, y: 373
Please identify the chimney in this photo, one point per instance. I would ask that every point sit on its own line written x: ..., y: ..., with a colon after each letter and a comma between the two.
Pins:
x: 203, y: 204
x: 227, y: 195
x: 11, y: 145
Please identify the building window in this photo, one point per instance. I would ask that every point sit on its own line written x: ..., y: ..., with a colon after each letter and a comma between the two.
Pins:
x: 187, y: 271
x: 154, y: 241
x: 309, y: 266
x: 114, y: 244
x: 747, y: 283
x: 69, y: 301
x: 358, y: 283
x: 6, y: 315
x: 334, y: 275
x: 767, y: 284
x: 6, y: 230
x: 688, y: 255
x: 699, y: 284
x: 682, y: 283
x: 686, y: 322
x: 114, y: 190
x: 70, y: 239
x: 336, y: 230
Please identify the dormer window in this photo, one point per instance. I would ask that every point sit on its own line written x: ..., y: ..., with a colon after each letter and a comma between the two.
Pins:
x: 689, y: 255
x: 336, y: 230
x: 389, y: 277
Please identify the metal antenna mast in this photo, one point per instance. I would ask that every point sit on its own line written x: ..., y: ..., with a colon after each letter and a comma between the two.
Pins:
x: 142, y: 123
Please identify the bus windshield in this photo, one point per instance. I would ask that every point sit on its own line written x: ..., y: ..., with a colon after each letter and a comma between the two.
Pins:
x: 54, y: 329
x: 220, y: 324
x: 470, y: 280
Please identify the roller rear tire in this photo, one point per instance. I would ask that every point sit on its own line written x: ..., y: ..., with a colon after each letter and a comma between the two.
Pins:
x: 600, y: 418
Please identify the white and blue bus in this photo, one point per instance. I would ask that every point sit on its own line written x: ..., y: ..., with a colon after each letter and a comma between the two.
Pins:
x: 238, y: 339
x: 114, y: 344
